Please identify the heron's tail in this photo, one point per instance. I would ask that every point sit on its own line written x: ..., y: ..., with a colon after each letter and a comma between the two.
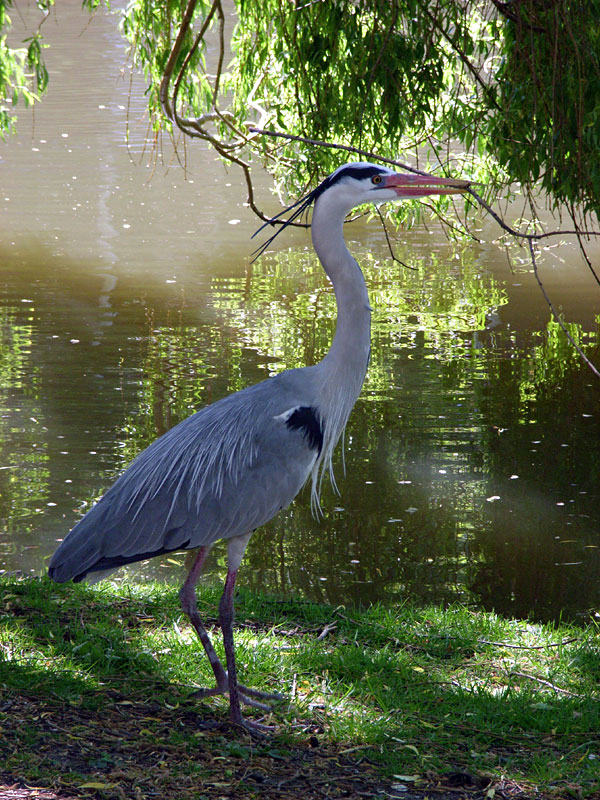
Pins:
x: 78, y: 553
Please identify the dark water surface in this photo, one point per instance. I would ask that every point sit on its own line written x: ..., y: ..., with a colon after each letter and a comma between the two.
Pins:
x: 127, y: 301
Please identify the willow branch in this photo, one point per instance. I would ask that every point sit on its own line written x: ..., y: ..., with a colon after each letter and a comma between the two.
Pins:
x: 205, y: 25
x: 394, y: 162
x: 468, y: 190
x: 163, y: 93
x: 195, y: 127
x: 346, y: 147
x: 463, y: 57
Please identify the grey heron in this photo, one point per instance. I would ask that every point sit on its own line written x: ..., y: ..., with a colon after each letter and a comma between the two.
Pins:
x: 232, y: 466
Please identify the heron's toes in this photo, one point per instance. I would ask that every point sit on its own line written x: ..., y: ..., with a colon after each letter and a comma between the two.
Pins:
x: 256, y: 729
x: 250, y: 701
x: 262, y: 695
x: 204, y: 692
x: 248, y: 696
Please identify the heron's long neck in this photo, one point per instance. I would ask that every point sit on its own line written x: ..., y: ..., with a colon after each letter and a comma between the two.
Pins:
x: 349, y: 352
x: 343, y: 369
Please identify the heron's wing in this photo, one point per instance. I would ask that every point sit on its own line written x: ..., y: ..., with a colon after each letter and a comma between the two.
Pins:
x: 220, y: 473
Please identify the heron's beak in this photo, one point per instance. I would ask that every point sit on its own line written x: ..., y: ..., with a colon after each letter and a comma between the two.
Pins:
x: 408, y: 184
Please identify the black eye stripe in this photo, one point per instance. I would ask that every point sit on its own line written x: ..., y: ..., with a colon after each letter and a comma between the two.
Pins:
x: 352, y: 171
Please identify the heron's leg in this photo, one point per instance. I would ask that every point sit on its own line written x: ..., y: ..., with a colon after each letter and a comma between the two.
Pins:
x: 235, y: 552
x: 226, y: 620
x: 235, y: 695
x: 187, y: 597
x: 236, y: 547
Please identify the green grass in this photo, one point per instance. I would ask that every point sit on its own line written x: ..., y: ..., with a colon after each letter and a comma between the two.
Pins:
x: 95, y: 686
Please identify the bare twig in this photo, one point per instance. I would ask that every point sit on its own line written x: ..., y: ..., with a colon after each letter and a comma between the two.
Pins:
x: 529, y: 646
x: 389, y: 244
x: 519, y: 234
x: 544, y: 682
x: 330, y: 626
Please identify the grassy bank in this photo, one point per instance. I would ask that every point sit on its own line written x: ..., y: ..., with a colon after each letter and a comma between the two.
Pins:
x: 95, y: 700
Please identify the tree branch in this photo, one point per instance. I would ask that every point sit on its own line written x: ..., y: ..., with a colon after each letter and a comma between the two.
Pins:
x: 530, y: 238
x: 345, y: 147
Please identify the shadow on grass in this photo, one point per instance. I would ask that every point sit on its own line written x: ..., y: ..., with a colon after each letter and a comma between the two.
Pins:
x: 96, y: 695
x: 73, y: 638
x: 89, y: 709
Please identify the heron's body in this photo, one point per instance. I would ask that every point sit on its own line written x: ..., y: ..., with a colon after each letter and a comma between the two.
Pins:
x: 229, y: 468
x: 211, y: 477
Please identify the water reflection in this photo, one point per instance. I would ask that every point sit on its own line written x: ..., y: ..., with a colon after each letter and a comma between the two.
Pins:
x: 472, y: 456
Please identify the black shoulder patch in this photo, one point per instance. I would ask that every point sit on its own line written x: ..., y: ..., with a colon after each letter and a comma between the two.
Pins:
x: 306, y: 419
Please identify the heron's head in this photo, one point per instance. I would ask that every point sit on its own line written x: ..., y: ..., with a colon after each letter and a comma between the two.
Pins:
x: 355, y: 184
x: 358, y: 183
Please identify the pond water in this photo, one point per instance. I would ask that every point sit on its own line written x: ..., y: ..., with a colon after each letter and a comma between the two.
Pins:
x: 127, y: 301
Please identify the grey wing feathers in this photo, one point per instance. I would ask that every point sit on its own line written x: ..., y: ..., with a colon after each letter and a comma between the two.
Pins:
x: 222, y: 472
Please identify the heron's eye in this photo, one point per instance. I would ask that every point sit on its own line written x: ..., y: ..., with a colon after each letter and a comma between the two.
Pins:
x: 376, y: 179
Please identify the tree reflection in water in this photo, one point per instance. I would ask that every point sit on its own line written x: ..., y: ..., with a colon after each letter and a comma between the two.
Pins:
x: 472, y: 456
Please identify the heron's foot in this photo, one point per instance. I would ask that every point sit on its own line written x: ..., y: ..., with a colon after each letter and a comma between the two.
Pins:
x: 275, y: 696
x: 204, y: 692
x: 255, y: 729
x: 248, y: 696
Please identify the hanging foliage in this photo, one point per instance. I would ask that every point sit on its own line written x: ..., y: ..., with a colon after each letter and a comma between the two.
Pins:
x: 547, y: 126
x: 23, y: 75
x: 502, y: 91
